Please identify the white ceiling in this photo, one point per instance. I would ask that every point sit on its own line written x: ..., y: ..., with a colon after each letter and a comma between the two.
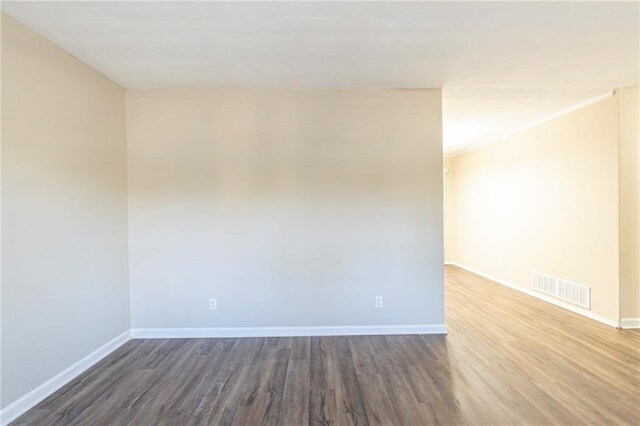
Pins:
x: 501, y: 65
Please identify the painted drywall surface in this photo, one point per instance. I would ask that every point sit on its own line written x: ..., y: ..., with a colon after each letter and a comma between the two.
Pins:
x: 629, y: 203
x: 492, y: 84
x: 1, y: 214
x: 546, y: 200
x: 449, y: 211
x: 64, y: 236
x: 292, y: 208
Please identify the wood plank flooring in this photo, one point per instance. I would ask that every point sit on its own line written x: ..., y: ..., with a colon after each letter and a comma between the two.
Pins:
x: 508, y: 359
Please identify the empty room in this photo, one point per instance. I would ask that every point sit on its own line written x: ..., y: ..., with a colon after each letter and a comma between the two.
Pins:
x: 319, y: 213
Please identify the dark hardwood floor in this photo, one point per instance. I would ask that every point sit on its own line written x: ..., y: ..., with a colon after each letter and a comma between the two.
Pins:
x: 508, y: 359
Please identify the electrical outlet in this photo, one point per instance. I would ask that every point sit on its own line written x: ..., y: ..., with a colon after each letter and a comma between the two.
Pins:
x: 213, y: 304
x: 378, y: 301
x: 499, y: 263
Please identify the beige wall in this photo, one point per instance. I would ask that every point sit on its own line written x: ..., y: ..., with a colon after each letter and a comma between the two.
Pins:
x: 629, y: 203
x: 64, y: 246
x: 450, y: 211
x: 545, y: 200
x: 1, y: 43
x: 292, y: 208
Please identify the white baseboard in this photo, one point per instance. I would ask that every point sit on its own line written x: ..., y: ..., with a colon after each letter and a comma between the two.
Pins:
x: 37, y: 395
x: 626, y: 323
x: 543, y: 297
x: 172, y: 333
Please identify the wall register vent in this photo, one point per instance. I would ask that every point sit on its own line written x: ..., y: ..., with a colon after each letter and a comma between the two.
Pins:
x: 562, y: 289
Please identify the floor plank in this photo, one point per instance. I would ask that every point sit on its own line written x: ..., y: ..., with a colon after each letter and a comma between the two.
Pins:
x: 508, y: 359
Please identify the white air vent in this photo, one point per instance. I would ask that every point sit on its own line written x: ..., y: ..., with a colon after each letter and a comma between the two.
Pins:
x: 562, y: 289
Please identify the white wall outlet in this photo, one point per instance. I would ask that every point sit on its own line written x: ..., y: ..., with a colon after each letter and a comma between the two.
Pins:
x: 213, y: 304
x: 499, y: 263
x: 378, y: 301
